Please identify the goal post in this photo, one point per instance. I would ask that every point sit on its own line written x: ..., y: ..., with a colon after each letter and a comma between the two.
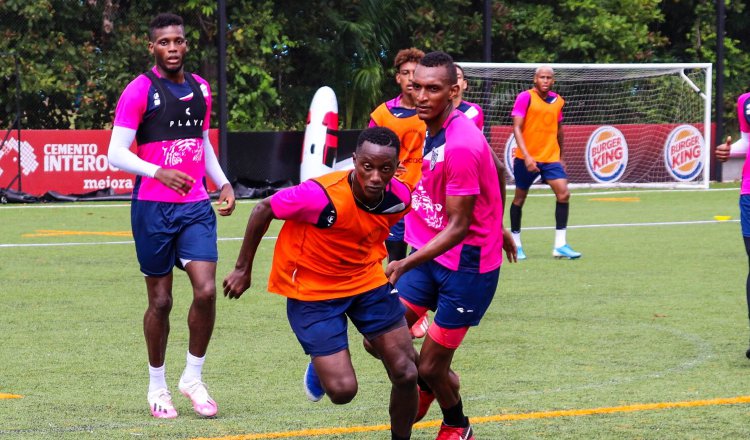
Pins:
x: 624, y: 125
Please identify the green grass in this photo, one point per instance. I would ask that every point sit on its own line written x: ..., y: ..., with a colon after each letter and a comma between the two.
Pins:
x: 651, y: 313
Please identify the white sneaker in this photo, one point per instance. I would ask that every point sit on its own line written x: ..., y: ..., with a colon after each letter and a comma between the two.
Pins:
x: 160, y: 404
x: 196, y: 391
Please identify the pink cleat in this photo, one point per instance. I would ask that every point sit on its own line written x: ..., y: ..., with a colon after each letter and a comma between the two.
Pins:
x: 196, y: 391
x: 419, y: 329
x: 160, y: 403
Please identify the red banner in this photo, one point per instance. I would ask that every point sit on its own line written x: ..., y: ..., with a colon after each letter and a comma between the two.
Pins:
x: 65, y: 161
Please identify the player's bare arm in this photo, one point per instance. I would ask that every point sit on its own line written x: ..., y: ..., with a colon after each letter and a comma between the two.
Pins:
x: 459, y: 210
x: 238, y: 281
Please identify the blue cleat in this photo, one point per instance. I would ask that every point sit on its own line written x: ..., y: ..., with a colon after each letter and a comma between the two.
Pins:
x: 565, y: 252
x: 521, y: 255
x: 313, y: 389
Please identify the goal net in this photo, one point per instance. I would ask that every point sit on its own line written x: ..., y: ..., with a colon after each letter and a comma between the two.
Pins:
x: 623, y: 124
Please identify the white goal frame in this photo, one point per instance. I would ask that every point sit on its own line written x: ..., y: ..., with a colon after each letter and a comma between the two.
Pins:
x: 482, y: 76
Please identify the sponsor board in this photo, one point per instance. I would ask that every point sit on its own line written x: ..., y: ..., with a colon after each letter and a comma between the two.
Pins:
x: 606, y: 154
x: 65, y: 161
x: 510, y: 154
x: 684, y: 153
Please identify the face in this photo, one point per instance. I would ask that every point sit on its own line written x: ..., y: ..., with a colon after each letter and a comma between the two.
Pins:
x: 374, y: 167
x: 433, y: 92
x: 462, y: 84
x: 405, y: 75
x: 169, y: 48
x: 544, y: 80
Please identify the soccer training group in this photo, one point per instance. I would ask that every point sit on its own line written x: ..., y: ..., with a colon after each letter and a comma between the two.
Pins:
x: 424, y: 180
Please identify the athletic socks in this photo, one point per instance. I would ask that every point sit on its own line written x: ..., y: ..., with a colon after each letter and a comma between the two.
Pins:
x: 454, y: 416
x: 193, y: 368
x: 560, y: 239
x: 398, y: 437
x: 561, y: 215
x: 157, y: 379
x: 515, y: 219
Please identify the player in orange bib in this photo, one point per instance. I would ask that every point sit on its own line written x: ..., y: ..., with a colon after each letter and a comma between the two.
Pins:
x: 537, y: 127
x: 328, y: 263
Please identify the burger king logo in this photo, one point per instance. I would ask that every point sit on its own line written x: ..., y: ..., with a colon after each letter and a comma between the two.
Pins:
x: 510, y: 154
x: 606, y: 154
x: 684, y: 153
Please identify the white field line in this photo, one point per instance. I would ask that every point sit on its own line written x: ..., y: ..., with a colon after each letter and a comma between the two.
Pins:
x: 530, y: 228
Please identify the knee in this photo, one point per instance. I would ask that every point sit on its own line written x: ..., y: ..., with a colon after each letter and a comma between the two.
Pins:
x: 563, y: 196
x: 161, y: 304
x: 342, y: 390
x: 204, y: 294
x: 404, y: 374
x: 429, y: 373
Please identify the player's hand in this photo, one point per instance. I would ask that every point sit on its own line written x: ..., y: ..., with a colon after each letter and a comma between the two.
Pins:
x: 176, y: 180
x: 509, y: 246
x: 227, y: 202
x: 236, y: 283
x: 530, y: 165
x: 722, y: 151
x: 394, y: 270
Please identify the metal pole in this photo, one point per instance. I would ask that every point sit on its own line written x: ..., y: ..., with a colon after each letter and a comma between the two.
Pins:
x: 222, y: 80
x: 487, y: 45
x: 720, y: 19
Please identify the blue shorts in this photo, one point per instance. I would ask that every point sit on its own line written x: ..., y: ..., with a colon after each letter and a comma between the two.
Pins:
x: 548, y: 171
x: 397, y: 231
x: 460, y: 298
x: 321, y: 326
x: 745, y: 214
x: 165, y: 232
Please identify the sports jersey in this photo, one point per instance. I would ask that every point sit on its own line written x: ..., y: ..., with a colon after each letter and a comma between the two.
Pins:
x: 473, y: 112
x: 410, y: 131
x: 170, y: 122
x: 458, y: 162
x: 331, y: 246
x: 743, y: 116
x: 540, y: 125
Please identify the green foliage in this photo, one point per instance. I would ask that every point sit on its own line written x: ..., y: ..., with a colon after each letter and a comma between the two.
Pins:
x: 77, y: 56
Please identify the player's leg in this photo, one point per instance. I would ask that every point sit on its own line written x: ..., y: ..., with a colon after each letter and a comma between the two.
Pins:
x: 463, y: 299
x: 745, y: 225
x: 523, y: 179
x: 154, y: 244
x: 196, y: 249
x: 555, y: 176
x: 321, y: 329
x: 379, y: 316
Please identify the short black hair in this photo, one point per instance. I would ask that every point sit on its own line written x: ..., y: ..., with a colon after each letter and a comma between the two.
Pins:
x: 165, y: 19
x: 438, y: 58
x: 379, y: 136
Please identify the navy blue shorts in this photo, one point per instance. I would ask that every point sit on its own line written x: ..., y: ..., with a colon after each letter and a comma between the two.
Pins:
x: 459, y: 298
x: 321, y: 326
x: 165, y: 232
x: 397, y: 231
x: 745, y: 214
x: 548, y: 171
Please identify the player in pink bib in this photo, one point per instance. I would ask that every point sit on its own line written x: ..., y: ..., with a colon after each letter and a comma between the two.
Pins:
x: 166, y: 111
x: 739, y: 149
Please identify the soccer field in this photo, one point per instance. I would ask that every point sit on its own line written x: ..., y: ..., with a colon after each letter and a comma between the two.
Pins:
x: 642, y: 338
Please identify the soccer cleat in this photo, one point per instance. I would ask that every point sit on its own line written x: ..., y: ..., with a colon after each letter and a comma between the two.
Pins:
x: 419, y: 329
x: 313, y: 389
x: 521, y: 255
x: 455, y: 433
x: 196, y: 391
x: 565, y: 252
x: 160, y: 404
x: 425, y: 400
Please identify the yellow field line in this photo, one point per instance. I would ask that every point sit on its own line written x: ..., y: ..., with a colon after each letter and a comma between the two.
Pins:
x: 496, y: 418
x: 57, y: 233
x: 615, y: 199
x: 9, y: 396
